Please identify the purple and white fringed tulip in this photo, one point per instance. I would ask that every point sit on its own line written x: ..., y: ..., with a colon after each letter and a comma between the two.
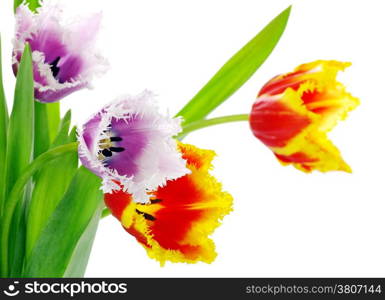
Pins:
x: 130, y: 142
x: 64, y: 58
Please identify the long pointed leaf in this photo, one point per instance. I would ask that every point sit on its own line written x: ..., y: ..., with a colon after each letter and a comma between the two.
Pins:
x: 21, y: 122
x: 236, y: 71
x: 62, y: 136
x: 19, y: 152
x: 57, y: 242
x: 3, y: 136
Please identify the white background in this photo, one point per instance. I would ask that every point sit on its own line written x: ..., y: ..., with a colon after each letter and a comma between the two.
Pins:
x: 284, y: 223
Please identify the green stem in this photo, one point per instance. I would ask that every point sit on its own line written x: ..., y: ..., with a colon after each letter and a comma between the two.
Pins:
x: 210, y: 122
x: 17, y: 191
x: 53, y: 115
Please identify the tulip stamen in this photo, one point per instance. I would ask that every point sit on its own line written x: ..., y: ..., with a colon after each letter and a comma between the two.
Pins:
x: 154, y: 201
x: 146, y: 215
x: 107, y: 147
x: 116, y: 139
x: 105, y: 144
x: 116, y: 149
x: 106, y: 153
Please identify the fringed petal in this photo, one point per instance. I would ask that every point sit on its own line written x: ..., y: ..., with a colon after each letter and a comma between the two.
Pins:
x: 129, y: 141
x: 175, y: 226
x: 64, y: 55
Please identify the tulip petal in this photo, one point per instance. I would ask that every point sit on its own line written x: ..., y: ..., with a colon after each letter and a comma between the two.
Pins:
x: 176, y: 224
x: 129, y: 141
x: 294, y: 112
x: 64, y: 57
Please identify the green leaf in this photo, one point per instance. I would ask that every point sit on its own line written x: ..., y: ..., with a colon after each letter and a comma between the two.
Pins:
x: 3, y: 136
x: 17, y: 191
x: 78, y: 264
x: 18, y: 233
x: 236, y: 71
x: 62, y: 135
x: 51, y: 184
x: 19, y: 149
x: 58, y: 241
x: 32, y: 4
x: 21, y: 122
x: 47, y: 122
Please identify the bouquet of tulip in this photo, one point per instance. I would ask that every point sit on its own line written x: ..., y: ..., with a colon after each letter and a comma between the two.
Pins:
x: 133, y: 162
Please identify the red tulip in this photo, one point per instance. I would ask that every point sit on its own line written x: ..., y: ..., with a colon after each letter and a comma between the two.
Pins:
x: 175, y: 225
x: 294, y: 112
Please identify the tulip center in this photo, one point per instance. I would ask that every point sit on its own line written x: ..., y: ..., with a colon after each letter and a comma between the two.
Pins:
x: 146, y: 210
x: 55, y: 69
x: 108, y: 147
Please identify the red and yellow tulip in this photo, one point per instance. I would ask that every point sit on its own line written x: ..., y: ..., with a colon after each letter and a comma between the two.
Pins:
x: 294, y: 112
x: 175, y: 225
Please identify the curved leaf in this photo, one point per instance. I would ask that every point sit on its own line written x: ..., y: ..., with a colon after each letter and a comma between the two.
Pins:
x: 58, y: 241
x: 236, y: 71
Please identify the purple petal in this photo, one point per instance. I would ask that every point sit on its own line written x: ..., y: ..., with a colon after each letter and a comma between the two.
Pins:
x: 56, y: 95
x: 91, y: 131
x: 130, y: 142
x: 133, y: 142
x: 70, y: 68
x: 24, y: 21
x: 66, y: 56
x: 48, y: 42
x: 84, y: 33
x: 90, y: 136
